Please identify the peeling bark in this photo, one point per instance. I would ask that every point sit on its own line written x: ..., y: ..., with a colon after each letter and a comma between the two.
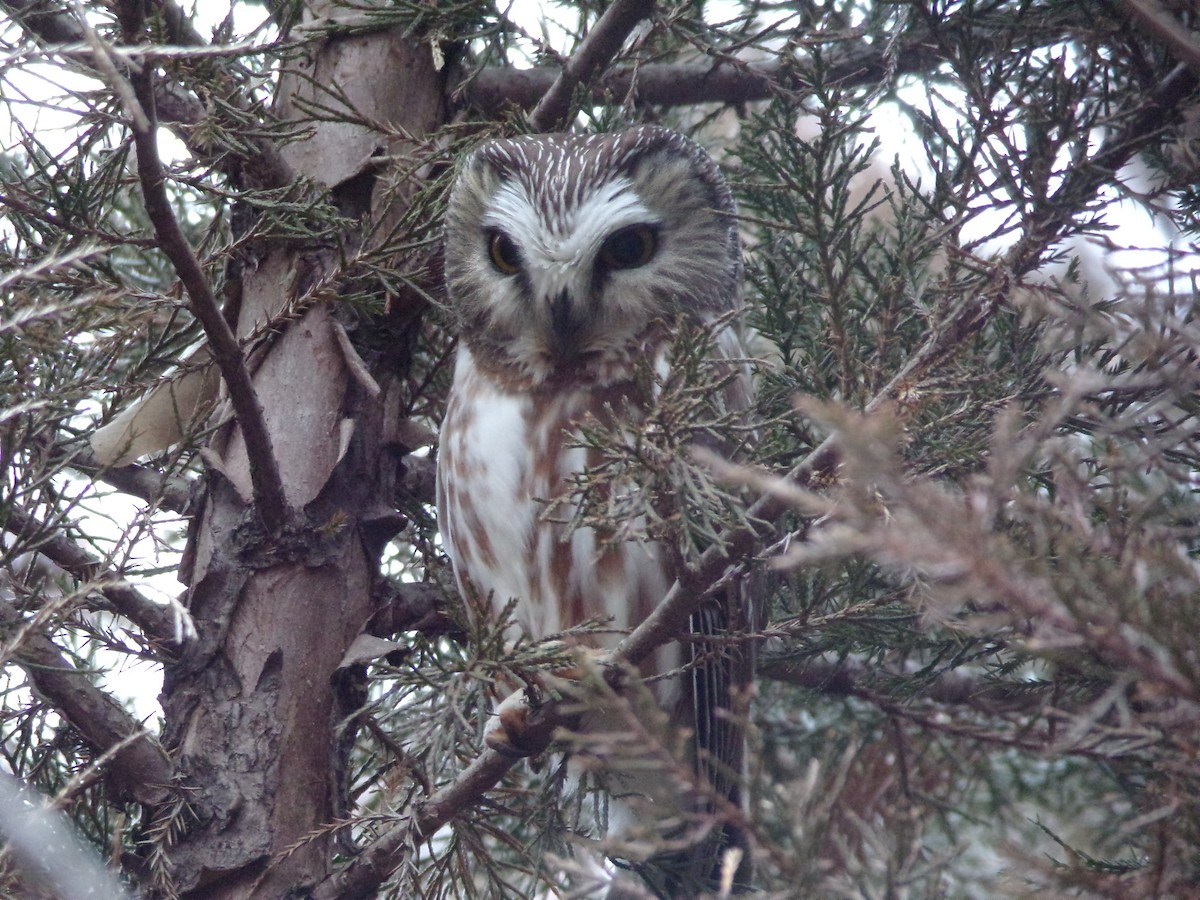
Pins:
x: 253, y: 706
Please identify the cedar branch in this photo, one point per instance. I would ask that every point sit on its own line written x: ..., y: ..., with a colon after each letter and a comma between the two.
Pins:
x: 60, y: 31
x: 1043, y: 229
x: 157, y: 622
x: 848, y: 679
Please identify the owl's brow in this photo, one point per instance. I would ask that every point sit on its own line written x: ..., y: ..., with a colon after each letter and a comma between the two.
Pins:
x: 565, y: 227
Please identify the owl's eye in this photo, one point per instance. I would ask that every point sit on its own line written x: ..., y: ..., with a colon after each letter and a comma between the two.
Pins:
x: 630, y: 247
x: 504, y: 253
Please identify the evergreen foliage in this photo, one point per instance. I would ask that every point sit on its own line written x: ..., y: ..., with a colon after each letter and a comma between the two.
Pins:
x: 976, y: 436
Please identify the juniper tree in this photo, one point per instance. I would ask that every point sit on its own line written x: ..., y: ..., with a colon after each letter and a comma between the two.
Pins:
x: 233, y: 661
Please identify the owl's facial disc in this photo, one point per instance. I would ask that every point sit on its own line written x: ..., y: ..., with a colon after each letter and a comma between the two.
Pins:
x: 574, y: 268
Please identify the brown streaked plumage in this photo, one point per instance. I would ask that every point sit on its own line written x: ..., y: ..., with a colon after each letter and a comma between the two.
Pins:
x: 565, y: 256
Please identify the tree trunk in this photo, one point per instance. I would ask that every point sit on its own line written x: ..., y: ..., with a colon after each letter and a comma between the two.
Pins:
x: 252, y: 708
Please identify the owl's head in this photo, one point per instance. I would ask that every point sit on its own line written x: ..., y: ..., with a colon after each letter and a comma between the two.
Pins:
x: 565, y: 253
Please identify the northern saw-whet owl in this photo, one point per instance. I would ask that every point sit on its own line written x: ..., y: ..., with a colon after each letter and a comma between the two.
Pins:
x: 570, y: 262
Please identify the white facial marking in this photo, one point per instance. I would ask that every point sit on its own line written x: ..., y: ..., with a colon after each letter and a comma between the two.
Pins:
x: 557, y: 244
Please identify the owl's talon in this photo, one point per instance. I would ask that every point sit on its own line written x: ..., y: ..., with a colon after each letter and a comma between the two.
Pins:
x: 507, y: 742
x: 517, y: 728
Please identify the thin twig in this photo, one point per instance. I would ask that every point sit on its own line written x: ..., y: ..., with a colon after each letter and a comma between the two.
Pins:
x: 594, y: 54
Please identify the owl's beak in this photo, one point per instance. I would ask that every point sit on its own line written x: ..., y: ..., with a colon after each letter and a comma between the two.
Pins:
x: 565, y: 321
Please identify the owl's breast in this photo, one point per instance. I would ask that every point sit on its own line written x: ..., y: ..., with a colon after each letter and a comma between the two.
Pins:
x: 506, y: 465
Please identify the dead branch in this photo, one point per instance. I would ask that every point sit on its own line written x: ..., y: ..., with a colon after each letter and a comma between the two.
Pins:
x: 141, y: 769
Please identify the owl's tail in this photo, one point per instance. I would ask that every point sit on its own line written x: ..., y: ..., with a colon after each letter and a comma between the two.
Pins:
x: 718, y: 862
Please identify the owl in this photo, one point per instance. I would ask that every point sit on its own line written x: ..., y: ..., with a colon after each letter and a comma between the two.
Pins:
x: 571, y: 262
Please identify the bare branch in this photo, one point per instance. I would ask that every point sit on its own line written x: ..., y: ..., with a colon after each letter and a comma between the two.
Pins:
x: 725, y: 80
x: 595, y: 52
x: 142, y: 110
x: 165, y: 491
x: 270, y: 498
x: 141, y: 769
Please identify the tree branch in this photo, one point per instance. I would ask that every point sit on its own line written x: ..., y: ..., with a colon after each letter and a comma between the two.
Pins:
x: 1157, y: 19
x: 141, y: 769
x: 410, y: 606
x: 848, y: 679
x: 594, y: 53
x: 168, y: 492
x: 725, y: 80
x: 269, y: 495
x: 58, y: 29
x: 157, y: 622
x: 362, y: 877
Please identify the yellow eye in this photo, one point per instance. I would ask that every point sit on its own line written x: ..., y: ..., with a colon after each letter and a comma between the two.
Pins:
x: 630, y: 247
x: 504, y: 253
